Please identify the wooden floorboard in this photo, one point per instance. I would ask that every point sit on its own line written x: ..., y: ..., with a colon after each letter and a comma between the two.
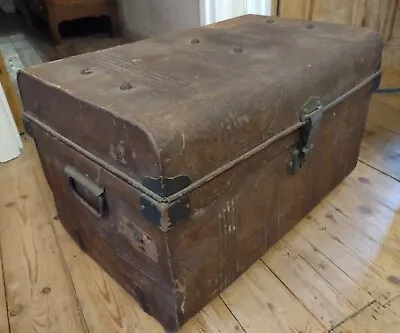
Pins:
x: 261, y: 303
x: 40, y: 294
x: 4, y: 323
x: 310, y: 286
x: 381, y: 144
x: 374, y: 319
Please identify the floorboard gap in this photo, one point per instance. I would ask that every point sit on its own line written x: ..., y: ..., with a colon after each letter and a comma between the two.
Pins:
x: 322, y: 277
x: 284, y: 284
x: 5, y: 289
x: 353, y: 315
x: 233, y: 315
x: 380, y: 171
x: 390, y: 301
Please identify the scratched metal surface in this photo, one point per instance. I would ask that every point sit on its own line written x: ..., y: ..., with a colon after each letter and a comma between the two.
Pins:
x: 188, y: 103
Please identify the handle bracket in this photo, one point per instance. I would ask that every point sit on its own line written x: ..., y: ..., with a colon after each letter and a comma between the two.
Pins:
x: 96, y: 205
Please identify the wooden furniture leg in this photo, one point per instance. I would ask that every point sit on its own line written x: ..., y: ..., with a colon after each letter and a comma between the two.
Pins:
x: 114, y: 24
x: 55, y: 31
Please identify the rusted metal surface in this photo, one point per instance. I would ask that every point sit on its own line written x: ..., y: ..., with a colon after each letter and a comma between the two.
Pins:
x: 189, y: 101
x: 187, y: 140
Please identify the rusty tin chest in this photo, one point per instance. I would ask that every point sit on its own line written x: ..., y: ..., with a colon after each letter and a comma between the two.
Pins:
x: 176, y: 162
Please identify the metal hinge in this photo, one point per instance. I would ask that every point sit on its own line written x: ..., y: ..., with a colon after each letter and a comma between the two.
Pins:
x: 311, y: 115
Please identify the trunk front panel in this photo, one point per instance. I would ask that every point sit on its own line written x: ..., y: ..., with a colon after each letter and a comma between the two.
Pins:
x: 239, y: 215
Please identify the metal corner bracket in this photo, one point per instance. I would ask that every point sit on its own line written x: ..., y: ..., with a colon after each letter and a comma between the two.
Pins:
x: 165, y: 214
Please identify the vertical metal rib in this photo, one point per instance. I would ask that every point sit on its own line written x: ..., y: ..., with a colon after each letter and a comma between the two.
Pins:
x: 227, y: 229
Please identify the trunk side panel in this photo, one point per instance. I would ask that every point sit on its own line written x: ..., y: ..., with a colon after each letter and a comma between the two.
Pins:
x: 125, y: 244
x: 116, y: 142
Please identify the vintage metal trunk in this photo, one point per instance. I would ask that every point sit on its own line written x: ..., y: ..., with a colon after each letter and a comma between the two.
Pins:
x: 176, y: 162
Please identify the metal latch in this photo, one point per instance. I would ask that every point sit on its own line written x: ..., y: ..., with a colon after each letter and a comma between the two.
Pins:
x: 311, y: 115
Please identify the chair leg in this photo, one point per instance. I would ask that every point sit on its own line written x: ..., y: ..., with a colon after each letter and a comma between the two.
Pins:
x: 55, y: 31
x: 115, y: 28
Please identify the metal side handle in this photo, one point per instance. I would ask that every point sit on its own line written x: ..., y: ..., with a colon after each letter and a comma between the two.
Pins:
x: 95, y: 194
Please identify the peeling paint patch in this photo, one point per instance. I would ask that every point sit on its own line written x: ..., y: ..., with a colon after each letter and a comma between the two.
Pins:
x: 137, y: 238
x: 117, y: 152
x: 227, y: 235
x: 183, y: 143
x: 180, y: 288
x: 183, y: 303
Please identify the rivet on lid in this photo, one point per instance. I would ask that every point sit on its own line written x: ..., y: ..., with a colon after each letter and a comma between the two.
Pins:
x: 238, y: 49
x: 310, y: 26
x: 86, y: 71
x: 269, y: 20
x: 125, y: 86
x: 195, y: 41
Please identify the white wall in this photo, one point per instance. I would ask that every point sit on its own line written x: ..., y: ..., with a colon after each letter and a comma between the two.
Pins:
x: 145, y: 18
x: 212, y: 11
x: 10, y: 141
x: 7, y: 5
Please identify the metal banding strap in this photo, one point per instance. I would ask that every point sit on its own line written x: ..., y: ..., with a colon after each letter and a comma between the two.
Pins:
x: 211, y: 175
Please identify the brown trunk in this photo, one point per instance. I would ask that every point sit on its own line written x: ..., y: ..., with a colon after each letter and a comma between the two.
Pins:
x: 175, y: 216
